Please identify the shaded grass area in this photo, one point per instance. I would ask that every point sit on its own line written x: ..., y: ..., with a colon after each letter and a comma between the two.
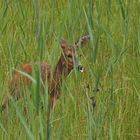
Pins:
x: 111, y: 63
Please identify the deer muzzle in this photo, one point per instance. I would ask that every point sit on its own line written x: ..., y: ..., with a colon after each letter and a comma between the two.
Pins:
x: 80, y: 68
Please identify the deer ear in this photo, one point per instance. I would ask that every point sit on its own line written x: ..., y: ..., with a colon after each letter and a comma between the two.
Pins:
x: 64, y: 44
x: 82, y: 40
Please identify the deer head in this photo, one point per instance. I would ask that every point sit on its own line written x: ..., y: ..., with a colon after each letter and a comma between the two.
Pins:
x: 70, y: 57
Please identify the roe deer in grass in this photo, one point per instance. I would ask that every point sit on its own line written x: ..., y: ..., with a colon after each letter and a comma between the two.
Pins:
x: 66, y: 62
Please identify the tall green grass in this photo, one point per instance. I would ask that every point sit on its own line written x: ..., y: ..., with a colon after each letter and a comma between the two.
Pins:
x: 31, y: 31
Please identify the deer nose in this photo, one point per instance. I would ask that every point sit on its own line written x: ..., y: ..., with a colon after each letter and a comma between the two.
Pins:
x: 80, y: 68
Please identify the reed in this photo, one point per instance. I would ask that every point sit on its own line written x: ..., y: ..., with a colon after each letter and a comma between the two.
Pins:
x: 30, y: 31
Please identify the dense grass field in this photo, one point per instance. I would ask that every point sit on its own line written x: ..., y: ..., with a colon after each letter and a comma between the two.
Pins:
x: 30, y: 30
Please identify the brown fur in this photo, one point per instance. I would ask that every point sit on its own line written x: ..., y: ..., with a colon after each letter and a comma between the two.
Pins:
x: 63, y: 67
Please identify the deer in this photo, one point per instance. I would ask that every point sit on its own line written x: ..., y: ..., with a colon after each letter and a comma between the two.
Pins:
x: 67, y: 61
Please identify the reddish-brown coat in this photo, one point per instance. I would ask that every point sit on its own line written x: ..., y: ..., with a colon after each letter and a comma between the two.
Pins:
x: 64, y: 66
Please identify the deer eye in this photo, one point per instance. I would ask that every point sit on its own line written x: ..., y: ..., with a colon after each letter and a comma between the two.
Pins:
x: 69, y: 55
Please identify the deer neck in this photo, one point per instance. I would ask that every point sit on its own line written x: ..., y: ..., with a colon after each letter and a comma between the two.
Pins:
x: 61, y: 70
